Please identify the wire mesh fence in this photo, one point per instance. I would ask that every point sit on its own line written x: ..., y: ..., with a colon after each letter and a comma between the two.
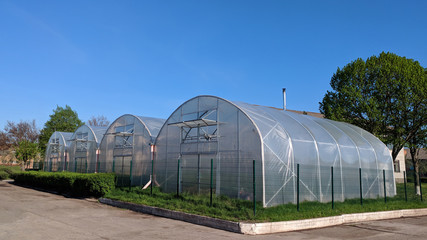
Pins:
x: 244, y: 180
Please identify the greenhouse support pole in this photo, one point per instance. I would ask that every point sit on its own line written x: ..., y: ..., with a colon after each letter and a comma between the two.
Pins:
x: 211, y: 181
x: 152, y: 178
x: 421, y: 189
x: 75, y: 165
x: 114, y: 164
x: 298, y: 187
x: 404, y: 183
x: 360, y: 184
x: 254, y: 189
x: 177, y: 180
x: 130, y: 174
x: 385, y: 189
x: 332, y: 186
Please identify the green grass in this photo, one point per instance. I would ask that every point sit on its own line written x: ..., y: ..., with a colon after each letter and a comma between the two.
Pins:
x: 7, y: 171
x: 241, y: 210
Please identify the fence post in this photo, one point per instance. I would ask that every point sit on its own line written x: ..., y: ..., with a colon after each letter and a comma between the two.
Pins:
x: 421, y: 189
x: 404, y: 184
x: 298, y: 187
x: 211, y: 181
x: 360, y: 184
x: 177, y: 180
x: 152, y: 177
x: 385, y: 189
x: 254, y: 189
x: 332, y: 185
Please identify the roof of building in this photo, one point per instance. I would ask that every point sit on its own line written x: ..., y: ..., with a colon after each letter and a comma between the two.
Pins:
x: 421, y: 154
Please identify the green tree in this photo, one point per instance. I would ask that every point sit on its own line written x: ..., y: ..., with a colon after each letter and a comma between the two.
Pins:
x: 385, y: 95
x: 62, y: 119
x: 415, y: 144
x: 25, y: 151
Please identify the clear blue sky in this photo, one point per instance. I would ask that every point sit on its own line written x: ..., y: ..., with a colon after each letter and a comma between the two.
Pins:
x: 147, y: 57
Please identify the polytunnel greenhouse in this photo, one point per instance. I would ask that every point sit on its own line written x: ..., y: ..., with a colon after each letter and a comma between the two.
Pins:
x: 295, y: 155
x: 127, y: 148
x: 57, y: 151
x: 83, y: 149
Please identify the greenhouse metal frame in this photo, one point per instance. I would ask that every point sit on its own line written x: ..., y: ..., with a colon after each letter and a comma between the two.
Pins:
x: 57, y: 151
x: 234, y: 134
x: 127, y: 148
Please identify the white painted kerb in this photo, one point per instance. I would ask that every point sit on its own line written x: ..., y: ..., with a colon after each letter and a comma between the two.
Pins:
x: 287, y: 226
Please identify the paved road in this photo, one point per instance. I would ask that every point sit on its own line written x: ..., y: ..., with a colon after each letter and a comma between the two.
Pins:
x: 30, y: 214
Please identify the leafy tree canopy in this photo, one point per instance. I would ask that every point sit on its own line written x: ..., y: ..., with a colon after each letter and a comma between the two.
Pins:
x: 385, y: 95
x: 16, y: 132
x: 26, y: 150
x: 63, y: 120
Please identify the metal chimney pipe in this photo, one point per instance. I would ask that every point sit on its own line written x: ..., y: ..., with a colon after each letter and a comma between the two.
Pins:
x: 284, y: 98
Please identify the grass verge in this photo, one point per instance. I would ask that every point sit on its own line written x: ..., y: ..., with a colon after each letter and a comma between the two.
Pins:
x: 241, y: 210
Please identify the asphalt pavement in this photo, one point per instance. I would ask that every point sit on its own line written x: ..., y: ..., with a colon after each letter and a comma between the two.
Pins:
x: 26, y: 213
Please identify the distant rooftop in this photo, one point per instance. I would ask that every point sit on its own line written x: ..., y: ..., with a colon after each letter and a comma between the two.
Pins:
x: 313, y: 114
x: 421, y: 155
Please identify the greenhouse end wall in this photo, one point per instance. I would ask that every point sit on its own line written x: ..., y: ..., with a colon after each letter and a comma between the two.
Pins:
x: 83, y: 149
x: 126, y: 148
x: 234, y: 134
x: 205, y: 129
x: 57, y: 155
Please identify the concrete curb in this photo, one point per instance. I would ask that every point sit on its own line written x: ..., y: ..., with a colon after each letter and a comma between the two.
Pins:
x: 287, y: 226
x: 268, y: 227
x: 187, y: 217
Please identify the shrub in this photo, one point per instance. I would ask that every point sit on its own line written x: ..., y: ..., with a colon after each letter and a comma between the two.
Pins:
x: 77, y: 184
x: 6, y: 172
x: 3, y: 175
x: 96, y: 185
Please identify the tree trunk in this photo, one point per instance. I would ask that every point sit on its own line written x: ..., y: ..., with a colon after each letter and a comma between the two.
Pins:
x: 416, y: 170
x: 23, y: 166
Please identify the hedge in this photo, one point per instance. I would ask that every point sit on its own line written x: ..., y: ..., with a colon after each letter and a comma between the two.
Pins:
x: 3, y: 175
x: 76, y: 184
x: 7, y: 171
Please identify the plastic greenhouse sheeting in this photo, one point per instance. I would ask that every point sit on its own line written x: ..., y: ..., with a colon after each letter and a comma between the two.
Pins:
x: 83, y: 149
x: 57, y: 151
x: 234, y: 134
x: 126, y: 148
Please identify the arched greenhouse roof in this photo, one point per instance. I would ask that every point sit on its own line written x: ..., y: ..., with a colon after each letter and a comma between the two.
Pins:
x: 96, y: 131
x: 64, y: 137
x: 304, y: 128
x: 152, y: 125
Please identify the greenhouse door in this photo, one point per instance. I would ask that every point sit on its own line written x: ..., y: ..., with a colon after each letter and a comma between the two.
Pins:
x: 53, y: 164
x: 122, y: 166
x: 80, y: 165
x: 196, y: 173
